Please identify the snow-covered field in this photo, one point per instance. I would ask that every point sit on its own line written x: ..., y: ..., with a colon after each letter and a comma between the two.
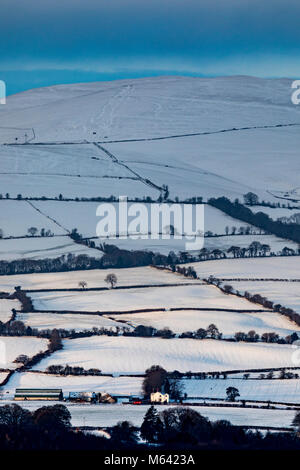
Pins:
x: 16, y: 217
x: 148, y: 107
x: 111, y: 385
x: 45, y: 247
x: 223, y: 164
x: 110, y: 415
x: 286, y: 391
x: 284, y: 293
x: 228, y: 323
x: 70, y: 170
x: 6, y: 306
x: 252, y: 268
x: 94, y: 278
x: 11, y: 347
x: 114, y: 300
x: 44, y: 321
x: 82, y: 215
x: 222, y: 243
x: 39, y: 185
x: 244, y: 126
x: 3, y: 376
x: 215, y: 164
x: 132, y: 355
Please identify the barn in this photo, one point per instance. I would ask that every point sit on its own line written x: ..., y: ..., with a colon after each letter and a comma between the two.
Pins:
x: 50, y: 394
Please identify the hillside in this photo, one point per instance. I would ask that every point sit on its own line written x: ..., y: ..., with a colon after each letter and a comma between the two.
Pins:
x: 240, y: 125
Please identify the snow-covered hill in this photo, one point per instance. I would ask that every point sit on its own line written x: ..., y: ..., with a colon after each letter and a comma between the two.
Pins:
x: 247, y: 138
x: 149, y: 107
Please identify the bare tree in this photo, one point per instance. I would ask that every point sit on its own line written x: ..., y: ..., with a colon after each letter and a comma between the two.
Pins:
x: 32, y: 231
x: 111, y: 279
x: 82, y: 284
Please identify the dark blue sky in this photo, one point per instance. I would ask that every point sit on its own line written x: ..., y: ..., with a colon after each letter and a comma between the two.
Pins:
x: 44, y: 42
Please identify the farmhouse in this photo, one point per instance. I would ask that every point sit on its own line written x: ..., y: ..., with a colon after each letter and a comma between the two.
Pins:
x: 22, y: 394
x: 157, y: 397
x: 83, y: 396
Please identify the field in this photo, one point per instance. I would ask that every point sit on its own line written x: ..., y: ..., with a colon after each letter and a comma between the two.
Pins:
x: 110, y: 415
x: 6, y: 307
x: 286, y: 391
x: 131, y: 355
x: 154, y: 139
x: 111, y: 385
x: 252, y: 268
x: 66, y: 213
x: 94, y: 278
x: 284, y: 293
x: 115, y: 300
x: 16, y: 217
x: 45, y: 247
x: 214, y: 163
x: 11, y: 348
x: 45, y: 321
x: 228, y: 323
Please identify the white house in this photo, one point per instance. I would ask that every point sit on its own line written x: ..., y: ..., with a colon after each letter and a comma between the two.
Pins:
x: 157, y: 397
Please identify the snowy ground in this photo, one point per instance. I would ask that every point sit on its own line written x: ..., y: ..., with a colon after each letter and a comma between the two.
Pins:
x: 284, y: 293
x: 71, y: 170
x: 6, y: 307
x: 109, y: 415
x: 253, y: 268
x: 132, y: 355
x: 45, y: 247
x: 286, y: 391
x: 3, y: 376
x: 211, y: 243
x: 82, y: 215
x: 11, y: 347
x: 224, y: 164
x: 206, y: 165
x: 226, y: 161
x: 94, y: 278
x: 44, y: 321
x: 111, y: 385
x: 228, y: 323
x: 201, y: 296
x: 16, y: 217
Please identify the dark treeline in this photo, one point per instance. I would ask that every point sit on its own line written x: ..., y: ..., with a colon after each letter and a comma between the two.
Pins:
x: 257, y: 299
x: 112, y: 258
x: 72, y: 370
x: 49, y: 428
x: 259, y: 219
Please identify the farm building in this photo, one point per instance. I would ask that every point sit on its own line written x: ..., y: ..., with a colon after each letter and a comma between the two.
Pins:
x: 83, y: 396
x: 22, y: 394
x: 157, y: 397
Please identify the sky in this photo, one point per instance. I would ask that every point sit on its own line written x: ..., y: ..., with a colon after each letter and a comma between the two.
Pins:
x: 46, y: 42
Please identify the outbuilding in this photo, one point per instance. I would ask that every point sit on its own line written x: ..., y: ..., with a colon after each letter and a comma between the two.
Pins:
x: 50, y: 394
